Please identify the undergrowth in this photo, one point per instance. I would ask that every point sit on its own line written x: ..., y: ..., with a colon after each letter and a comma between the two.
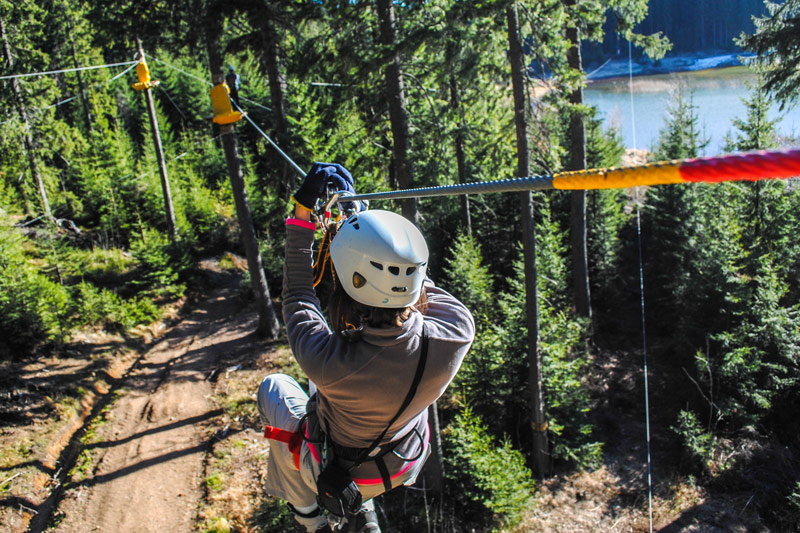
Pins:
x: 490, y: 483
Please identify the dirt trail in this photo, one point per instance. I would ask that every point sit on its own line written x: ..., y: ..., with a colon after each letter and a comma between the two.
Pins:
x: 146, y: 470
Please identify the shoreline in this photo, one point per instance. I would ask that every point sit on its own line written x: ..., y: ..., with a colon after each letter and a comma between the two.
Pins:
x: 618, y: 68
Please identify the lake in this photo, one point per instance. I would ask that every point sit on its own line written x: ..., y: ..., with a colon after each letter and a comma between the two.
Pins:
x: 717, y: 97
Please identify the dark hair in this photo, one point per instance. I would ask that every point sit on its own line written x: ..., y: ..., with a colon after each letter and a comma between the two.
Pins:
x: 348, y: 314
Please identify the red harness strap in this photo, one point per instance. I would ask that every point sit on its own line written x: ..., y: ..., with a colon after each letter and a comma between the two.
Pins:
x: 293, y: 440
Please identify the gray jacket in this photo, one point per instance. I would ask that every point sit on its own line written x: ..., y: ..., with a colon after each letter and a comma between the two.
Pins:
x: 362, y: 384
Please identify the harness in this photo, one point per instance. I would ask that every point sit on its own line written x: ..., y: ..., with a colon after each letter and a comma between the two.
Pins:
x: 333, y: 451
x: 293, y: 440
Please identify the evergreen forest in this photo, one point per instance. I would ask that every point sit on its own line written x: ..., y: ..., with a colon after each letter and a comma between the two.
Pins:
x: 112, y: 199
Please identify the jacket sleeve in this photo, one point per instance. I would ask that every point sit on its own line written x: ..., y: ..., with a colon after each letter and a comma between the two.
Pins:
x: 453, y: 321
x: 310, y: 338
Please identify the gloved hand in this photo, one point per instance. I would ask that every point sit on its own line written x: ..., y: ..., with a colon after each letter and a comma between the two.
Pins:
x: 315, y: 183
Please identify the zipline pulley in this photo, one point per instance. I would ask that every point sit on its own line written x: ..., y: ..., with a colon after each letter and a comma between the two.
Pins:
x: 221, y: 102
x: 144, y: 77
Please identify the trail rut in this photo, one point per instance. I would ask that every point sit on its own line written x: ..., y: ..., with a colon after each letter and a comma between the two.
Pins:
x: 146, y: 459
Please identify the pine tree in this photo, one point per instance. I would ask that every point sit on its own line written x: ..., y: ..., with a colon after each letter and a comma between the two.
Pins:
x: 681, y: 137
x: 775, y: 43
x: 671, y: 222
x: 755, y: 132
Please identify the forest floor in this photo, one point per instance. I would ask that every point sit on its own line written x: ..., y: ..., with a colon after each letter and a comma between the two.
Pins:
x: 160, y: 433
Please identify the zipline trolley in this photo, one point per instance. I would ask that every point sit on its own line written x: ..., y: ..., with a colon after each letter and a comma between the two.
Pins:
x: 221, y: 102
x: 144, y: 77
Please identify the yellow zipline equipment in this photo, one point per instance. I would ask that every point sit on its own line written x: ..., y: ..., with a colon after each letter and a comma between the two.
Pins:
x: 223, y: 110
x: 144, y: 77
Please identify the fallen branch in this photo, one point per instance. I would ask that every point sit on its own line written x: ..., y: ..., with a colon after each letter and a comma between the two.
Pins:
x: 9, y: 479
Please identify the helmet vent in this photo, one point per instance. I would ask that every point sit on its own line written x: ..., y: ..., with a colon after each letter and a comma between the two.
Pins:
x: 394, y: 270
x: 376, y: 265
x: 410, y: 270
x: 358, y: 280
x: 399, y: 289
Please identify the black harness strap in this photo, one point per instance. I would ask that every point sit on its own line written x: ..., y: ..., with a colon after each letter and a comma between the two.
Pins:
x: 312, y: 514
x: 423, y: 357
x: 385, y: 476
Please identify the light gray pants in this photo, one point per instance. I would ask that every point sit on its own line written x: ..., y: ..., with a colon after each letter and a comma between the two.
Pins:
x: 281, y: 404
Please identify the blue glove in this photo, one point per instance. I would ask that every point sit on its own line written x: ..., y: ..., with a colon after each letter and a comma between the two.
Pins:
x: 316, y: 181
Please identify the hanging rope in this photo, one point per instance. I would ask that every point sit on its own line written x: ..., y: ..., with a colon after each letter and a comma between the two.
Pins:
x: 630, y: 90
x: 185, y: 73
x: 641, y: 292
x: 171, y: 101
x: 49, y: 72
x: 325, y: 84
x: 133, y: 66
x: 644, y: 352
x: 748, y: 166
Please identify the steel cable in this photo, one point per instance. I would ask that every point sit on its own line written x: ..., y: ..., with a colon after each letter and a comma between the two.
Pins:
x: 48, y: 72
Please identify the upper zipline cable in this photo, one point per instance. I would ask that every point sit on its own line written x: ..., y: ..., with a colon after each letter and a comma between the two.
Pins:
x: 67, y: 100
x: 133, y: 66
x: 49, y: 72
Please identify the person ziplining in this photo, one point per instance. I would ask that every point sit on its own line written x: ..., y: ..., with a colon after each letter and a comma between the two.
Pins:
x: 233, y: 81
x: 393, y: 344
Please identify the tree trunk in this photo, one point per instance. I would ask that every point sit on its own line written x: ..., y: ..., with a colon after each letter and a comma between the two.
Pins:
x: 277, y: 87
x: 702, y: 16
x: 577, y: 161
x: 87, y: 114
x: 162, y: 165
x: 461, y: 162
x: 434, y: 468
x: 268, y: 325
x: 30, y: 149
x: 397, y: 108
x: 535, y: 382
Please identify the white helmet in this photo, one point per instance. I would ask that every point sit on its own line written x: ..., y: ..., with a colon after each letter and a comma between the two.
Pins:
x: 380, y: 259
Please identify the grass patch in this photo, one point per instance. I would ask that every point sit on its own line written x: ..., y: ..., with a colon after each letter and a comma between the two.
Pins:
x: 273, y: 517
x: 85, y: 462
x: 105, y: 267
x: 215, y: 481
x: 285, y: 363
x: 218, y: 524
x: 18, y: 453
x: 241, y: 408
x: 82, y: 466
